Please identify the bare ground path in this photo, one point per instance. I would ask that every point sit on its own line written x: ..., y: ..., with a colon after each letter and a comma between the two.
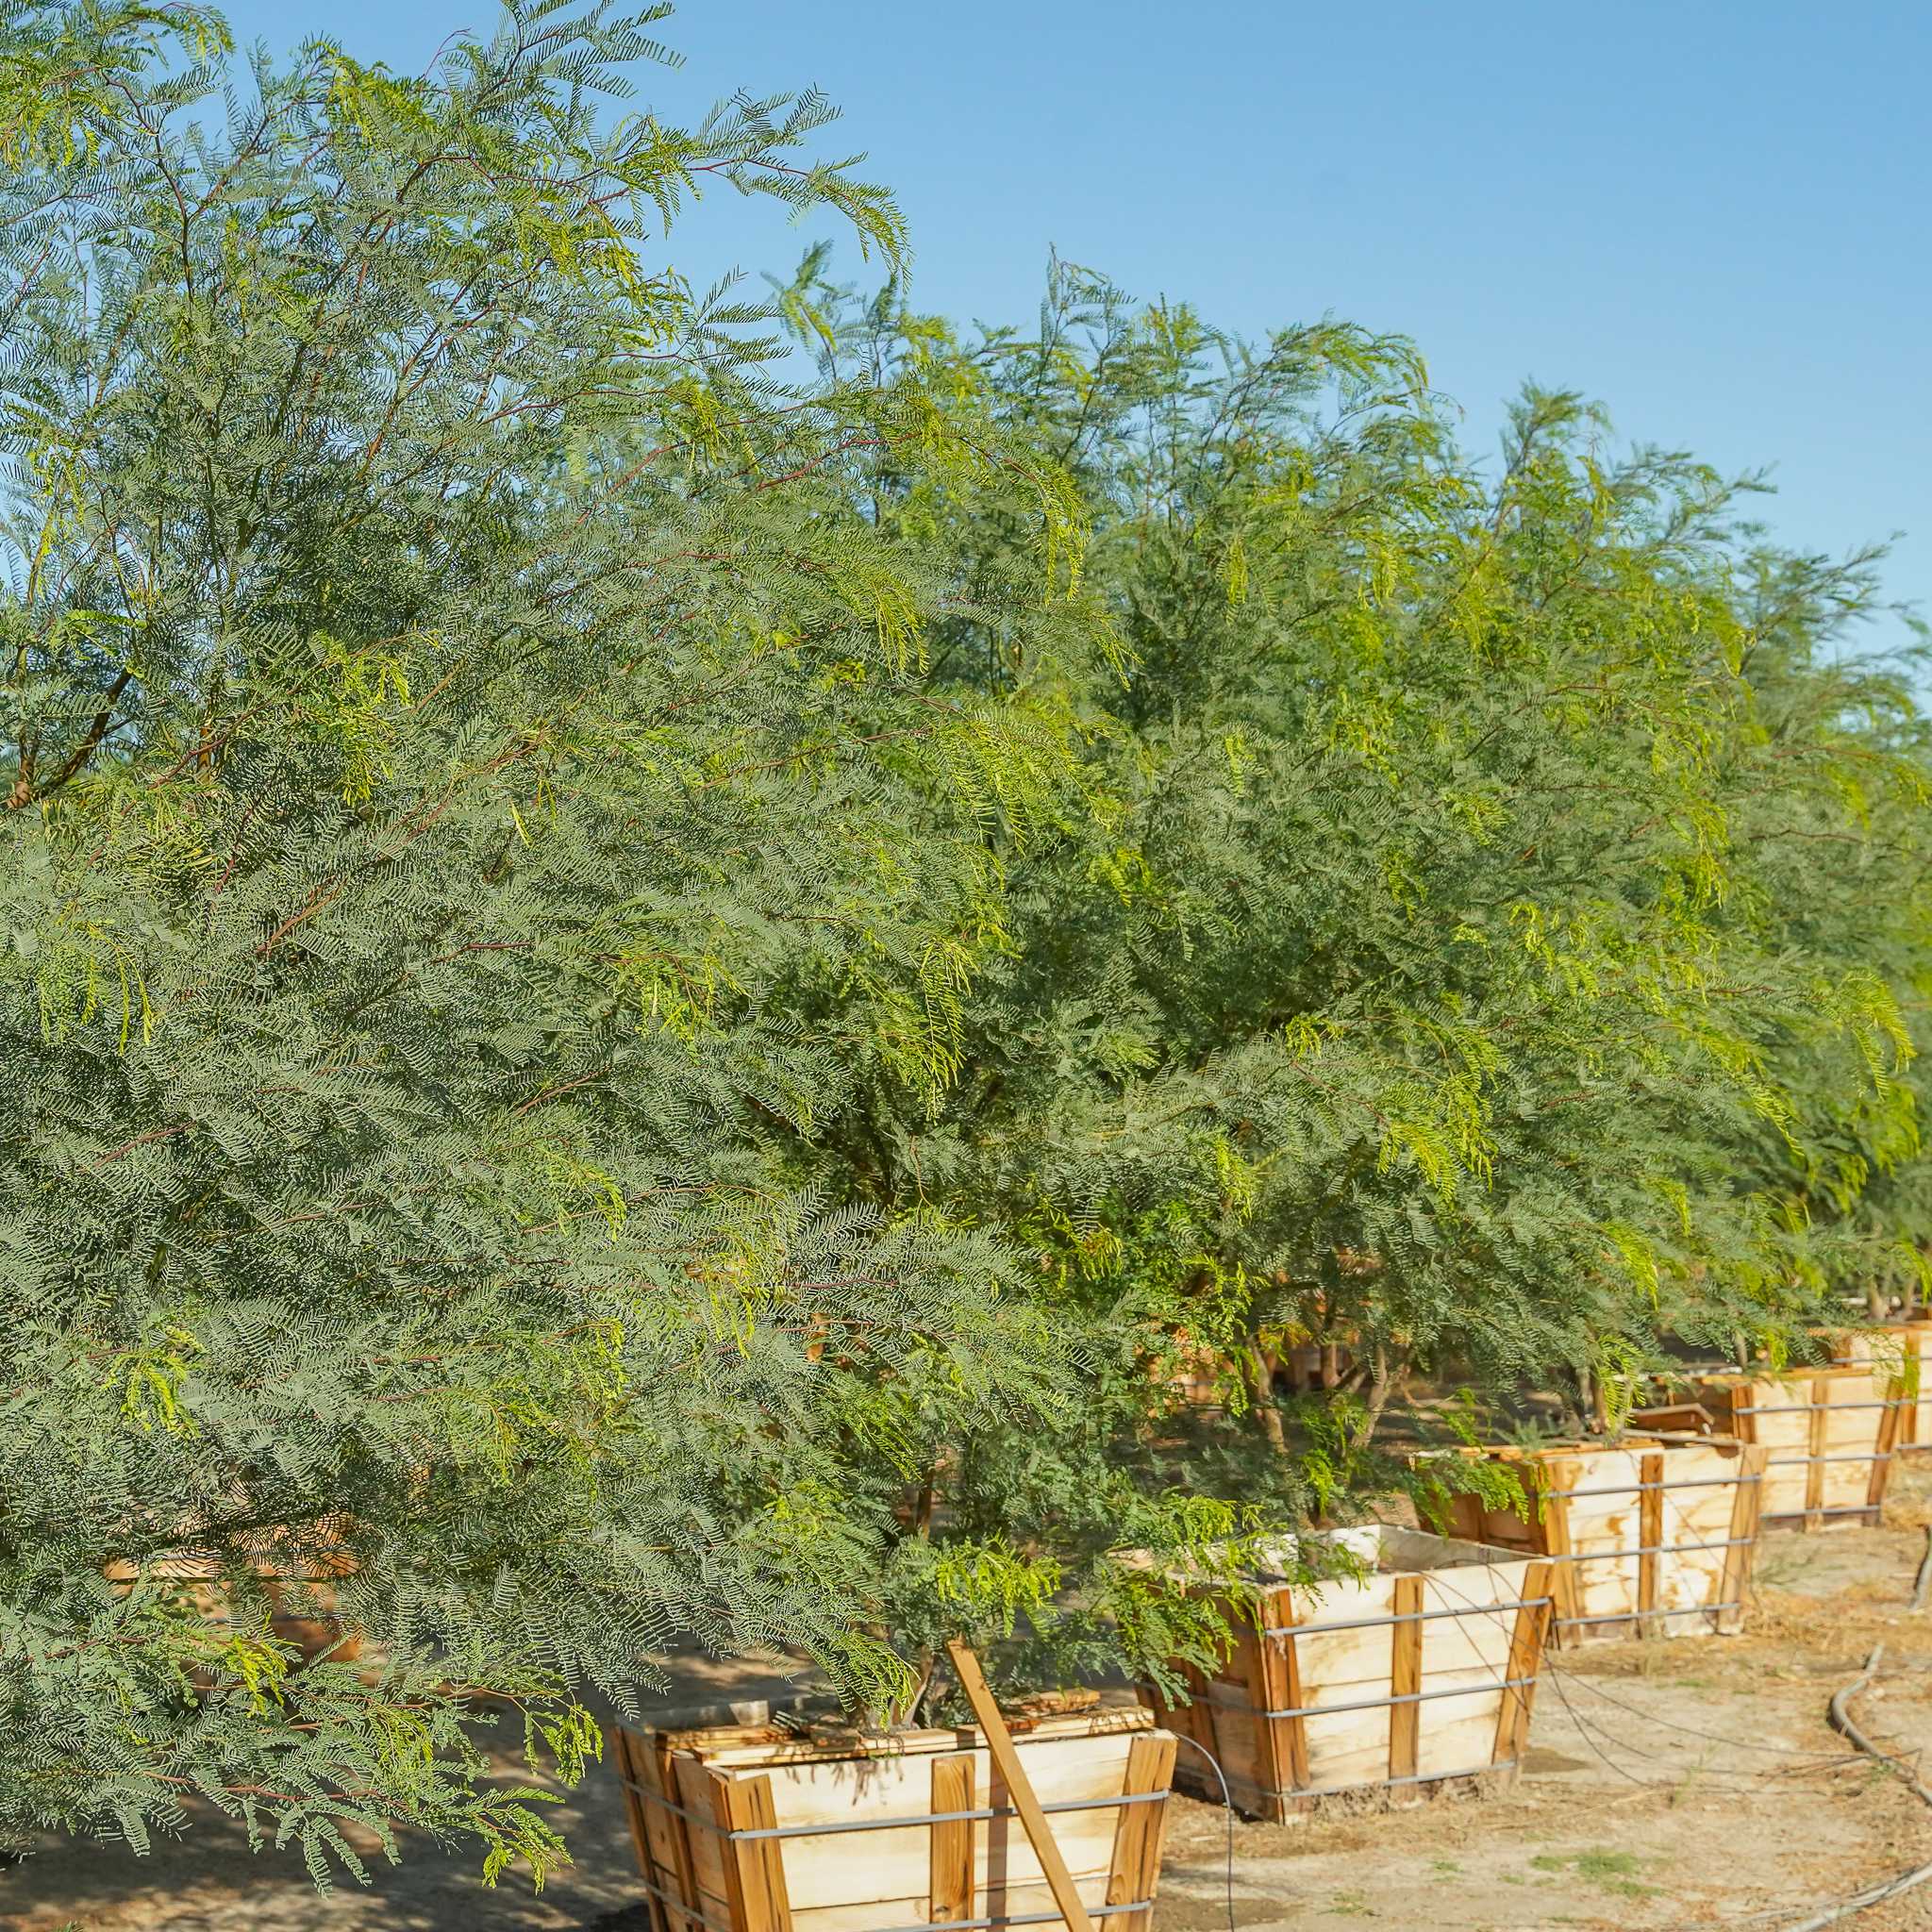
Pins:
x: 1682, y: 1787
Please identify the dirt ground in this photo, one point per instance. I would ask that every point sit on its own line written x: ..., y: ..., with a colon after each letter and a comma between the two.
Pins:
x: 1669, y: 1788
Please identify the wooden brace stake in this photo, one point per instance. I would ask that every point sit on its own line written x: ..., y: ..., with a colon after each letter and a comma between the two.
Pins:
x: 999, y: 1744
x: 1650, y: 1530
x: 1406, y: 1678
x: 1819, y: 1440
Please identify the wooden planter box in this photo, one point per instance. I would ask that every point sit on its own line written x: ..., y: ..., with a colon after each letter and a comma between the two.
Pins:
x: 1423, y: 1669
x: 1196, y: 1381
x: 1830, y: 1436
x: 1648, y: 1536
x: 206, y: 1578
x: 752, y: 1830
x: 1197, y: 1378
x: 1901, y: 1348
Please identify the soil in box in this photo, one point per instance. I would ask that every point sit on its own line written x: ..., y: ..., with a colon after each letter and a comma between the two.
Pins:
x: 1418, y: 1670
x: 758, y: 1829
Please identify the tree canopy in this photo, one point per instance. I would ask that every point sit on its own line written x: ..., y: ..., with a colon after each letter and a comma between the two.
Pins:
x: 665, y: 953
x: 458, y: 728
x: 1495, y: 927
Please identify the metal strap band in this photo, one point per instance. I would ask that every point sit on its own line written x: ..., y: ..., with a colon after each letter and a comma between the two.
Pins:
x: 1715, y: 1482
x: 695, y: 1915
x: 1139, y: 1905
x: 1514, y: 1603
x: 1789, y: 1461
x: 1807, y: 1407
x: 1729, y: 1543
x: 1641, y: 1616
x: 1387, y: 1703
x: 1423, y: 1777
x: 895, y: 1823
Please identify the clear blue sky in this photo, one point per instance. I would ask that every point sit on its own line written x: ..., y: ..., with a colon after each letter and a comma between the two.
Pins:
x: 1711, y: 214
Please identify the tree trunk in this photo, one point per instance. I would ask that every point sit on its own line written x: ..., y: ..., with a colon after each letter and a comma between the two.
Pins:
x: 1257, y: 1376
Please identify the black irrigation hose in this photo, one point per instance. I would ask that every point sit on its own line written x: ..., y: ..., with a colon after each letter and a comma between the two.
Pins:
x: 1842, y: 1722
x: 1839, y: 1715
x: 1922, y: 1581
x: 1227, y: 1799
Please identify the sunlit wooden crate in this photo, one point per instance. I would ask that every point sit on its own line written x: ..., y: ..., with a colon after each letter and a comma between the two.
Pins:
x: 1899, y: 1348
x: 1830, y: 1436
x: 1650, y: 1536
x: 754, y: 1829
x: 1418, y: 1670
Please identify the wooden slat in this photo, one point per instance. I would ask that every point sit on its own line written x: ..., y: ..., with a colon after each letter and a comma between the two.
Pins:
x: 1197, y: 1716
x: 1557, y: 1542
x: 1194, y: 1719
x: 1890, y: 1422
x: 1141, y: 1833
x: 999, y: 1744
x: 754, y: 1868
x: 1464, y: 1515
x: 640, y: 1830
x: 665, y: 1859
x: 1249, y: 1667
x: 1289, y: 1766
x: 950, y: 1895
x: 1526, y: 1640
x: 704, y: 1846
x: 1650, y: 1521
x: 729, y: 1809
x: 1404, y: 1677
x: 766, y: 1855
x: 1676, y: 1418
x: 1742, y: 1428
x: 1747, y: 1512
x: 1911, y: 1363
x: 1818, y: 1438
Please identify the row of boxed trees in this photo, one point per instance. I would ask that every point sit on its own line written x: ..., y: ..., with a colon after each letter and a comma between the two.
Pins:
x: 654, y: 977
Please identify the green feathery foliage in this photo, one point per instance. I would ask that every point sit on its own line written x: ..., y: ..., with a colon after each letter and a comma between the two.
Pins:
x: 655, y: 990
x: 1455, y: 952
x: 472, y: 773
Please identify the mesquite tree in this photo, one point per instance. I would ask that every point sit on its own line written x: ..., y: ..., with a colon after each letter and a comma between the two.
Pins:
x: 474, y: 778
x: 648, y: 995
x: 1457, y: 952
